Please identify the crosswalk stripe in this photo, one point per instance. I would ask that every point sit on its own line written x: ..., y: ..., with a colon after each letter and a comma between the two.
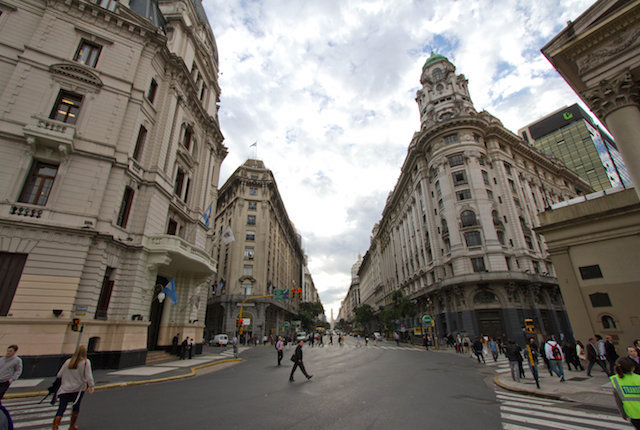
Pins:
x: 510, y: 426
x: 570, y: 412
x: 545, y: 423
x: 553, y: 419
x: 528, y: 401
x: 524, y: 396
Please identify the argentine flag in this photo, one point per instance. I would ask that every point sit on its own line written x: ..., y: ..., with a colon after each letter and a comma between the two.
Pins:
x: 170, y: 291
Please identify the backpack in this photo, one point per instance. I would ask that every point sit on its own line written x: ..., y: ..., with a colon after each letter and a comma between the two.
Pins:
x: 555, y: 351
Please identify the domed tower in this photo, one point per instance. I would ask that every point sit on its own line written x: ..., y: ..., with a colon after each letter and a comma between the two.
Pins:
x: 444, y: 94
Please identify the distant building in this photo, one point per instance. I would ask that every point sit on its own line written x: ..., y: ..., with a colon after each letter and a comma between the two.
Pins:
x: 571, y: 135
x: 264, y: 257
x: 111, y: 153
x: 456, y: 234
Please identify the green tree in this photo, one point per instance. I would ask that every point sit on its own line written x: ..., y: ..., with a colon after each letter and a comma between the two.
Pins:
x: 403, y: 307
x: 365, y: 317
x: 342, y: 325
x: 308, y: 313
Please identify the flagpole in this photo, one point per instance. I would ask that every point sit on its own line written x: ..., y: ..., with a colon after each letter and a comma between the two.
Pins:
x: 254, y: 145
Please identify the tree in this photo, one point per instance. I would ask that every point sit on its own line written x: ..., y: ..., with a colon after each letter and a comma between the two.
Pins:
x: 403, y: 307
x: 342, y: 325
x: 365, y: 316
x: 308, y: 313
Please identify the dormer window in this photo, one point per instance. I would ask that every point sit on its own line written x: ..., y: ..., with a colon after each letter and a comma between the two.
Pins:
x: 437, y: 74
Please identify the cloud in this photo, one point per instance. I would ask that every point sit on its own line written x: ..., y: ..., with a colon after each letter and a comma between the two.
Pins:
x: 327, y: 90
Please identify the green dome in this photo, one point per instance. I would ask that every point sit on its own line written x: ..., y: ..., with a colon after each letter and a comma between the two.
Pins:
x: 434, y: 58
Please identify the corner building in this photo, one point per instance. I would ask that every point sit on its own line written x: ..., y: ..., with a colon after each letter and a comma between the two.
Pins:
x: 456, y: 232
x: 111, y: 152
x: 265, y: 256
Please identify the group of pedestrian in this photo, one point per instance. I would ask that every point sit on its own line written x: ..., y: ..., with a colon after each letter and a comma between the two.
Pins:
x: 183, y: 349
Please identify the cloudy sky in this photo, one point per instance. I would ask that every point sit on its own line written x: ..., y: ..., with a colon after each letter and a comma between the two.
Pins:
x: 327, y: 89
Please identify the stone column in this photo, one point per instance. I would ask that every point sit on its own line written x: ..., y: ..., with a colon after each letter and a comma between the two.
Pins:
x: 616, y: 102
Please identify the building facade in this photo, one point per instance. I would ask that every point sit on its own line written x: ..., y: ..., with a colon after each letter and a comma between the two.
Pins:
x: 571, y: 135
x: 456, y: 234
x: 596, y: 240
x: 111, y: 152
x: 265, y: 256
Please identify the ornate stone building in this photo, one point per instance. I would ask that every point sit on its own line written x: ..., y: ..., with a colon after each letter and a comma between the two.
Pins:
x: 111, y: 152
x: 456, y: 233
x: 265, y: 255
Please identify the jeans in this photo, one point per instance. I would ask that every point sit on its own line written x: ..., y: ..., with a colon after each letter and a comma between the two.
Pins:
x: 515, y: 370
x: 495, y: 355
x: 4, y: 386
x: 65, y: 399
x: 556, y: 367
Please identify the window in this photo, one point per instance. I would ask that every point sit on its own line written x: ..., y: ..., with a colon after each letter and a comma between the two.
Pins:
x: 452, y: 138
x: 478, y: 264
x: 153, y: 87
x: 440, y: 204
x: 590, y: 272
x: 172, y: 228
x: 107, y: 4
x: 67, y: 107
x: 38, y: 184
x: 507, y: 167
x: 529, y: 242
x: 105, y: 294
x: 246, y: 288
x: 251, y: 220
x: 87, y: 53
x: 500, y: 237
x: 473, y: 238
x: 186, y: 139
x: 481, y: 161
x: 459, y: 178
x: 253, y: 205
x: 512, y: 185
x: 490, y: 194
x: 456, y: 160
x: 485, y: 177
x: 438, y: 190
x: 249, y: 253
x: 437, y: 74
x: 253, y: 191
x: 463, y: 194
x: 600, y: 300
x: 11, y: 266
x: 516, y: 201
x: 247, y: 270
x: 142, y: 135
x: 177, y: 188
x: 125, y: 207
x: 445, y: 227
x: 608, y: 322
x: 468, y: 218
x: 251, y: 235
x: 203, y: 92
x: 536, y: 267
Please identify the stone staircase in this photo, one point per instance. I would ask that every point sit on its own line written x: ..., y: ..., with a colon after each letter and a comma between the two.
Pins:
x: 157, y: 357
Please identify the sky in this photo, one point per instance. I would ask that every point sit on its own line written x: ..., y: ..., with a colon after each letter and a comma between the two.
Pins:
x: 327, y: 90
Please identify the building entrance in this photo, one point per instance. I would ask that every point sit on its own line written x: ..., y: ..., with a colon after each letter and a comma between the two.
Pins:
x: 155, y: 314
x: 490, y: 322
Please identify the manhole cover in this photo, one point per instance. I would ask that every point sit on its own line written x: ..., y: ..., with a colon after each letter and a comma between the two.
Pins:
x: 578, y: 378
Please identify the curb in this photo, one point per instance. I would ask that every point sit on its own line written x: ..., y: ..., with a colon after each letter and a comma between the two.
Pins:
x: 496, y: 380
x: 193, y: 371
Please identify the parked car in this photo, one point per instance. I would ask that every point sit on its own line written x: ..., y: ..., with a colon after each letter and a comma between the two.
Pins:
x: 301, y: 336
x: 220, y: 340
x: 377, y: 335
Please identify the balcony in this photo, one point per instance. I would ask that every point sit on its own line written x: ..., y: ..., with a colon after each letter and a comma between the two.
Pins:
x: 178, y: 254
x: 48, y: 133
x: 28, y: 211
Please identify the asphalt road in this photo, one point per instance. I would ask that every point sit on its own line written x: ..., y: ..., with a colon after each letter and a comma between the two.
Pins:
x: 371, y: 387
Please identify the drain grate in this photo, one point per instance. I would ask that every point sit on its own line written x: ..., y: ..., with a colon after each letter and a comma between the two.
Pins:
x: 578, y: 378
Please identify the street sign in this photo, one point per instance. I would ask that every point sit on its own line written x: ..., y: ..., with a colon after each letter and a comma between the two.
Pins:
x: 427, y: 320
x: 278, y: 294
x: 286, y: 324
x: 246, y: 321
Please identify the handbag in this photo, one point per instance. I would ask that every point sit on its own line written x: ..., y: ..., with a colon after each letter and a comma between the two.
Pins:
x: 293, y: 358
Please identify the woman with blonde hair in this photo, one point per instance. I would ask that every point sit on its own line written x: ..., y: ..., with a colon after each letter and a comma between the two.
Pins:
x: 76, y: 377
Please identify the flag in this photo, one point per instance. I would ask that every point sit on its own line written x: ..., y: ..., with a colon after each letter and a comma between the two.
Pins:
x: 227, y: 236
x: 253, y: 144
x: 207, y: 215
x: 170, y: 291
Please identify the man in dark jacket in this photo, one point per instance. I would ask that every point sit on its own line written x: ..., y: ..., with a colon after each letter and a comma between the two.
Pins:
x: 513, y: 353
x: 297, y: 362
x: 610, y: 354
x: 593, y: 357
x: 477, y: 350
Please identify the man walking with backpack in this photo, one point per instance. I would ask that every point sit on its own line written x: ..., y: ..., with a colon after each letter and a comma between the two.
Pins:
x: 554, y: 354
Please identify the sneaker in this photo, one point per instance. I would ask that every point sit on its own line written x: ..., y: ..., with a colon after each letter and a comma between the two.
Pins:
x: 291, y: 380
x: 309, y: 377
x: 562, y: 379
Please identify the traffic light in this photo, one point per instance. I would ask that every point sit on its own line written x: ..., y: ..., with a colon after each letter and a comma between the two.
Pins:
x: 300, y: 293
x: 239, y: 322
x: 75, y: 324
x: 293, y: 293
x: 529, y: 326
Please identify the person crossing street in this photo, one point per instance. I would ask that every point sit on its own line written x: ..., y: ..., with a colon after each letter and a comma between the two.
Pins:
x: 297, y: 362
x: 279, y: 348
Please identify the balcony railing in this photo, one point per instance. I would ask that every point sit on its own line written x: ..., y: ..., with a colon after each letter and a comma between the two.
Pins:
x: 25, y: 211
x: 50, y: 133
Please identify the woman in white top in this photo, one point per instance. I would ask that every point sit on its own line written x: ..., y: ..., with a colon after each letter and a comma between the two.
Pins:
x: 76, y: 377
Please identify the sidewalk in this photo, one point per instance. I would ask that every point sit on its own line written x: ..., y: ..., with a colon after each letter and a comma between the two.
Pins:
x: 117, y: 378
x: 595, y: 391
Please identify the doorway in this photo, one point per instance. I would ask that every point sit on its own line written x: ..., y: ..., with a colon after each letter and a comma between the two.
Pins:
x: 155, y: 315
x: 490, y: 322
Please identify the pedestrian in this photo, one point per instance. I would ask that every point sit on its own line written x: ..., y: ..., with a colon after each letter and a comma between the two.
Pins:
x: 636, y: 345
x: 467, y: 345
x: 297, y: 362
x: 580, y: 353
x: 331, y: 339
x: 191, y: 345
x: 312, y: 339
x: 493, y: 347
x: 280, y: 349
x: 477, y: 350
x: 341, y: 340
x: 6, y: 423
x: 513, y: 354
x: 320, y: 340
x: 76, y: 377
x: 183, y: 348
x: 632, y: 353
x: 610, y: 354
x: 531, y: 355
x: 174, y: 344
x: 234, y: 342
x: 626, y: 390
x: 545, y: 359
x: 572, y: 356
x: 396, y: 337
x: 10, y: 369
x: 593, y: 357
x: 554, y: 355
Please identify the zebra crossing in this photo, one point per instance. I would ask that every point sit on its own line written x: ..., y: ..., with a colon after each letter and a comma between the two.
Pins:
x: 28, y: 414
x: 519, y: 412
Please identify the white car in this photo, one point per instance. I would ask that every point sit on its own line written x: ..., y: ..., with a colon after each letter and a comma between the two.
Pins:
x: 220, y: 340
x: 301, y: 336
x: 377, y: 336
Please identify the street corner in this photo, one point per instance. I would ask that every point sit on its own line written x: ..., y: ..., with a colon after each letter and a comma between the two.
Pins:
x: 506, y: 383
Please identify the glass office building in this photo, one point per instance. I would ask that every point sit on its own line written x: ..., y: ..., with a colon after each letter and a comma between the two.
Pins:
x: 572, y: 136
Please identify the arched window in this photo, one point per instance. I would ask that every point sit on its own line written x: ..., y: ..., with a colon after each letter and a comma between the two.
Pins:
x: 468, y: 218
x: 437, y: 74
x: 445, y: 227
x: 187, y: 136
x: 608, y: 322
x: 485, y: 297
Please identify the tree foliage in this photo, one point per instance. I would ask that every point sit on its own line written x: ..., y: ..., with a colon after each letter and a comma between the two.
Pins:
x: 365, y: 317
x: 308, y: 313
